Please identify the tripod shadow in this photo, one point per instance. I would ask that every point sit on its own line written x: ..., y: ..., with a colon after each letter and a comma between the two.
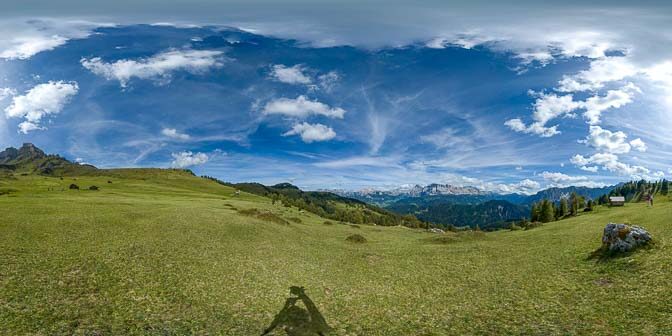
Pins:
x: 296, y: 321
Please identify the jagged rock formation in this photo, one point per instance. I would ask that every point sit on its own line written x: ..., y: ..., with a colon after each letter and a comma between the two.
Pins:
x: 30, y: 159
x: 27, y: 152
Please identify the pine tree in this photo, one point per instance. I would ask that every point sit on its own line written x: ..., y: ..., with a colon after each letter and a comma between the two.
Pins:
x: 574, y: 204
x: 564, y: 208
x: 534, y: 213
x: 547, y: 213
x: 589, y: 205
x: 665, y: 188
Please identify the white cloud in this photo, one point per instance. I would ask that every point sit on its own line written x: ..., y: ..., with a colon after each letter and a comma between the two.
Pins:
x: 592, y: 169
x: 40, y: 101
x: 24, y: 39
x: 312, y: 132
x: 465, y: 40
x: 534, y: 128
x: 613, y: 99
x: 551, y: 106
x: 525, y: 186
x: 158, y: 67
x: 302, y: 107
x: 6, y: 92
x: 329, y: 80
x: 290, y: 75
x: 174, y: 134
x: 639, y: 145
x: 601, y: 71
x: 546, y: 108
x: 188, y: 159
x: 561, y: 180
x: 608, y: 162
x: 607, y: 141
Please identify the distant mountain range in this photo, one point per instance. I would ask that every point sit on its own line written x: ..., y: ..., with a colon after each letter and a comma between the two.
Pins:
x: 466, y: 206
x: 466, y: 195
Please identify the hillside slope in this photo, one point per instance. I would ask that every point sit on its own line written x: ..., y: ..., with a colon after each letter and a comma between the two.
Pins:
x: 162, y: 252
x: 328, y: 205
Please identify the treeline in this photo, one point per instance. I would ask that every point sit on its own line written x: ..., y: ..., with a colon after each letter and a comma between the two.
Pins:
x: 547, y: 211
x: 326, y: 204
x: 487, y: 216
x: 636, y: 191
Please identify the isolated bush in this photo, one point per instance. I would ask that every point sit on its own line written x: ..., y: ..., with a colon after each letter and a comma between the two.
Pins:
x: 109, y: 181
x: 356, y: 238
x: 328, y: 223
x: 532, y: 225
x: 74, y: 187
x: 266, y: 216
x: 271, y: 217
x: 514, y: 227
x: 93, y: 188
x: 249, y: 212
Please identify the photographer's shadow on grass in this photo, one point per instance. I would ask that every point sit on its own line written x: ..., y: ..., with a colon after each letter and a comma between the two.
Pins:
x: 297, y: 321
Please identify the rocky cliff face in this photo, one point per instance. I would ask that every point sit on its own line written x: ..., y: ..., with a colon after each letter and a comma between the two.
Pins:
x: 30, y: 159
x: 27, y: 153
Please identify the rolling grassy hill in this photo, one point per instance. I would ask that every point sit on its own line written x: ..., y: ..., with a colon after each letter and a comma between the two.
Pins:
x: 159, y: 252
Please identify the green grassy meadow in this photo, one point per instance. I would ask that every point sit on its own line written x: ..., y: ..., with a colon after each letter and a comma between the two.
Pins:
x: 165, y: 253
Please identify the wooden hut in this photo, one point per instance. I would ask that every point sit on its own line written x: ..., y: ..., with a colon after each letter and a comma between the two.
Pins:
x: 617, y: 201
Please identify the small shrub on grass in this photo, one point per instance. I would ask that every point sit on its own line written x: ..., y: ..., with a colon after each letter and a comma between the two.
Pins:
x: 356, y: 238
x: 263, y: 215
x: 328, y: 223
x: 94, y: 188
x: 530, y: 225
x: 271, y: 217
x: 249, y: 212
x: 74, y: 187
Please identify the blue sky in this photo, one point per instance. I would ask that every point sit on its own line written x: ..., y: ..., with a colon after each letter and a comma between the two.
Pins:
x: 512, y: 104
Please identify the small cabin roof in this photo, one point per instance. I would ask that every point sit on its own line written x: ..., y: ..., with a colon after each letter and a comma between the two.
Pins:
x: 617, y: 199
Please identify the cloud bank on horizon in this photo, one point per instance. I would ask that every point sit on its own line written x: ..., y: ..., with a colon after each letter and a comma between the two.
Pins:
x: 507, y: 105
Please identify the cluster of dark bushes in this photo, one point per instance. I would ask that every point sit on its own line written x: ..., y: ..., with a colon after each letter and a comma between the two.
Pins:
x: 76, y: 187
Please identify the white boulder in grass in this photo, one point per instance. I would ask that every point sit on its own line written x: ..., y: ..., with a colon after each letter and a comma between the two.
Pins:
x: 624, y: 238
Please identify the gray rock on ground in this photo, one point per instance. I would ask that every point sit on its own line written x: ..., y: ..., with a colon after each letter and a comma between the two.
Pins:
x: 624, y: 238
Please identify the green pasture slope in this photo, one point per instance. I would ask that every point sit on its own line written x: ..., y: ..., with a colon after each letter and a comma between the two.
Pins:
x: 165, y: 253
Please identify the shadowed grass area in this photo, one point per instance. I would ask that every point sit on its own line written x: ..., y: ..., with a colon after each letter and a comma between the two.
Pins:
x: 163, y: 252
